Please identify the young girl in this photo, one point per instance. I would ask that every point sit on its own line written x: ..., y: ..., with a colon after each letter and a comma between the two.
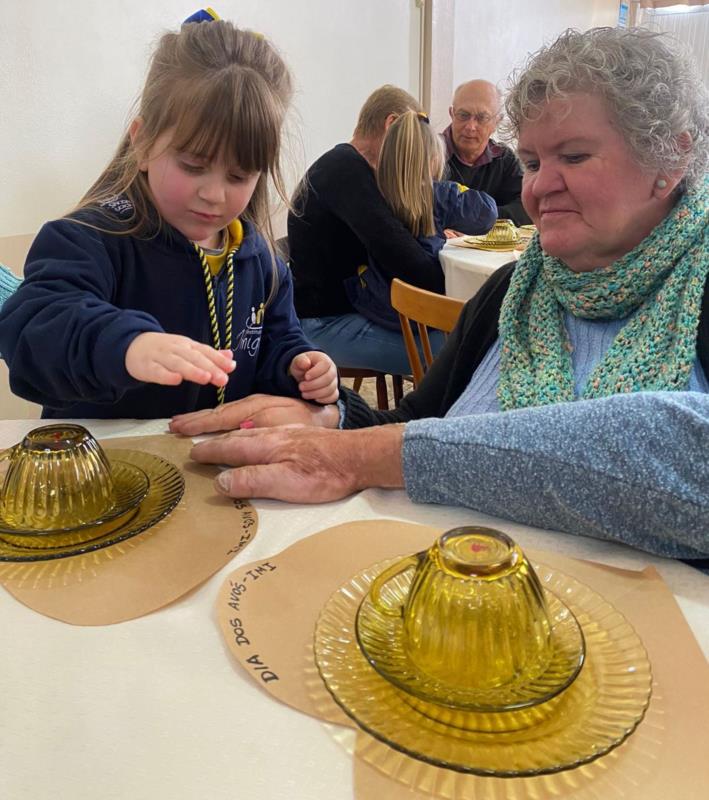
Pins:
x: 410, y: 165
x: 157, y: 295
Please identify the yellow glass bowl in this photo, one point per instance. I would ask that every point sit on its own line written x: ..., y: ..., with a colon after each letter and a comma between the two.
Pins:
x: 381, y: 639
x: 471, y: 627
x: 58, y: 477
x: 130, y: 486
x: 503, y: 231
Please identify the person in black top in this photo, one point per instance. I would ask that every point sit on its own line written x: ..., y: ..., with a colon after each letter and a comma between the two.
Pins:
x: 476, y: 160
x: 339, y: 222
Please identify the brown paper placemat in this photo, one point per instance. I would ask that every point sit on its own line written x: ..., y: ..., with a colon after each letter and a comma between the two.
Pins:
x: 267, y: 612
x: 148, y: 571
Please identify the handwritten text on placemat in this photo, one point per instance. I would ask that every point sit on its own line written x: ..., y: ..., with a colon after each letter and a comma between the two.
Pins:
x: 238, y: 588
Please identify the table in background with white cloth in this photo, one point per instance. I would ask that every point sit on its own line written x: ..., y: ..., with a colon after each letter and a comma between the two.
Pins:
x: 156, y: 709
x: 466, y: 269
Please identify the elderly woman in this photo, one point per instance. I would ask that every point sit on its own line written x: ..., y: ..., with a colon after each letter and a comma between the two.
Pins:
x: 573, y: 392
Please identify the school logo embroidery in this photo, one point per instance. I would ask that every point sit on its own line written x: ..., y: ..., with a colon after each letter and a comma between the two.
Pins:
x: 249, y: 338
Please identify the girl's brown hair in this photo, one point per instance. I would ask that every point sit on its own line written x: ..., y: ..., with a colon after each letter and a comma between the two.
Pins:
x: 411, y: 159
x: 223, y: 92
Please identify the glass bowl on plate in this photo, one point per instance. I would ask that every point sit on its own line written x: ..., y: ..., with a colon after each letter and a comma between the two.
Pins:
x: 63, y: 494
x: 472, y: 627
x: 593, y: 715
x: 502, y: 236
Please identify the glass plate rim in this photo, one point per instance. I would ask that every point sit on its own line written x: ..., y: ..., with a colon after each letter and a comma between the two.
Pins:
x: 358, y: 585
x: 166, y: 478
x: 134, y: 500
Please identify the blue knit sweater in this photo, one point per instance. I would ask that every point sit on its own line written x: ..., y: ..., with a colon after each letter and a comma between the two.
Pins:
x: 8, y: 283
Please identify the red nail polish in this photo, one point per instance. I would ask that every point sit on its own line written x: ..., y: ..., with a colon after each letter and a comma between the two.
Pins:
x: 247, y: 423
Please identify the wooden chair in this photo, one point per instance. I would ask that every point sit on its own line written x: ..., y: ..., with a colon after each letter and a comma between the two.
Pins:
x: 380, y: 377
x: 427, y: 310
x: 358, y: 375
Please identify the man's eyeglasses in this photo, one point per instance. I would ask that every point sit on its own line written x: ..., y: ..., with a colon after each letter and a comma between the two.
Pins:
x: 481, y: 118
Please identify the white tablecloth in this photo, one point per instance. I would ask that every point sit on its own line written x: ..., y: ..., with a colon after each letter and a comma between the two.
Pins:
x: 467, y: 269
x: 155, y: 708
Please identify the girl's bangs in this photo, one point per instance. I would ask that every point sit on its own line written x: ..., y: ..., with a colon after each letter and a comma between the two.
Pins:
x: 233, y: 118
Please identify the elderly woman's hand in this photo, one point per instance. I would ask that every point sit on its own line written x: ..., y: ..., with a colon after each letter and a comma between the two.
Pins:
x: 302, y: 465
x: 255, y: 411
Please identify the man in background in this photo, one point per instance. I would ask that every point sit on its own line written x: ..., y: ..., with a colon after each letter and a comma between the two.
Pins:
x: 476, y: 160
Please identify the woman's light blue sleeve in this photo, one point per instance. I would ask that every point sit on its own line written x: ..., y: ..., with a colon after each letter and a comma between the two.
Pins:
x: 632, y: 468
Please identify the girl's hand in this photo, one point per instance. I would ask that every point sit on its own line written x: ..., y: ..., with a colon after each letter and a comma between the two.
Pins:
x: 316, y: 374
x: 255, y: 411
x: 169, y: 359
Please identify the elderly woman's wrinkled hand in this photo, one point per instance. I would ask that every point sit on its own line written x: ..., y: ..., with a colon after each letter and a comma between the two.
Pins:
x: 255, y: 411
x: 303, y: 465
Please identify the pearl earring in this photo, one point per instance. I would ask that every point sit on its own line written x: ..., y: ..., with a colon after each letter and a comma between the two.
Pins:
x: 661, y: 183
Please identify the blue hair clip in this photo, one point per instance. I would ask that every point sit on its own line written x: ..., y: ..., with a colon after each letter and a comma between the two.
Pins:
x: 203, y: 15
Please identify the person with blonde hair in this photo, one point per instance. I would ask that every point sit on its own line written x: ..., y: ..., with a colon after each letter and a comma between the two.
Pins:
x: 158, y: 294
x: 339, y: 221
x: 408, y: 175
x: 574, y: 392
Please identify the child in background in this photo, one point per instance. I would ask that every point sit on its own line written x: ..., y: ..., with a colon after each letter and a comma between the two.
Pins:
x: 410, y: 164
x: 158, y: 295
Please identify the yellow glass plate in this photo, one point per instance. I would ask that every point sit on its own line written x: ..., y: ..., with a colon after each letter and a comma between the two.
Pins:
x: 381, y: 638
x: 481, y: 243
x: 130, y: 484
x: 166, y: 487
x: 600, y: 709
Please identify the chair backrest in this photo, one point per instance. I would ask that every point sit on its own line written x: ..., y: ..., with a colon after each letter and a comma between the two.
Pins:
x: 427, y: 310
x: 358, y: 375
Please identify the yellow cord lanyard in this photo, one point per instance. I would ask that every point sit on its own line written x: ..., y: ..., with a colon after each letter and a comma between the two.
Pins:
x: 211, y: 305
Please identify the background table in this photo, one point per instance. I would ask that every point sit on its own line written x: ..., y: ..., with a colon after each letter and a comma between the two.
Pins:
x: 466, y: 269
x: 156, y: 709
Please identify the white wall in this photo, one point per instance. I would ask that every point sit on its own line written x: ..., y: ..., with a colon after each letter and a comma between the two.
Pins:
x: 492, y: 38
x: 690, y: 26
x: 70, y: 71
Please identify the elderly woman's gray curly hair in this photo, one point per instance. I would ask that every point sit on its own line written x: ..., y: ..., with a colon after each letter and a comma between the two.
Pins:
x: 651, y: 89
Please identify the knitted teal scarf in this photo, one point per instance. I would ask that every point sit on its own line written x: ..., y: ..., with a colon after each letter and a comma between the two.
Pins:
x: 662, y: 279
